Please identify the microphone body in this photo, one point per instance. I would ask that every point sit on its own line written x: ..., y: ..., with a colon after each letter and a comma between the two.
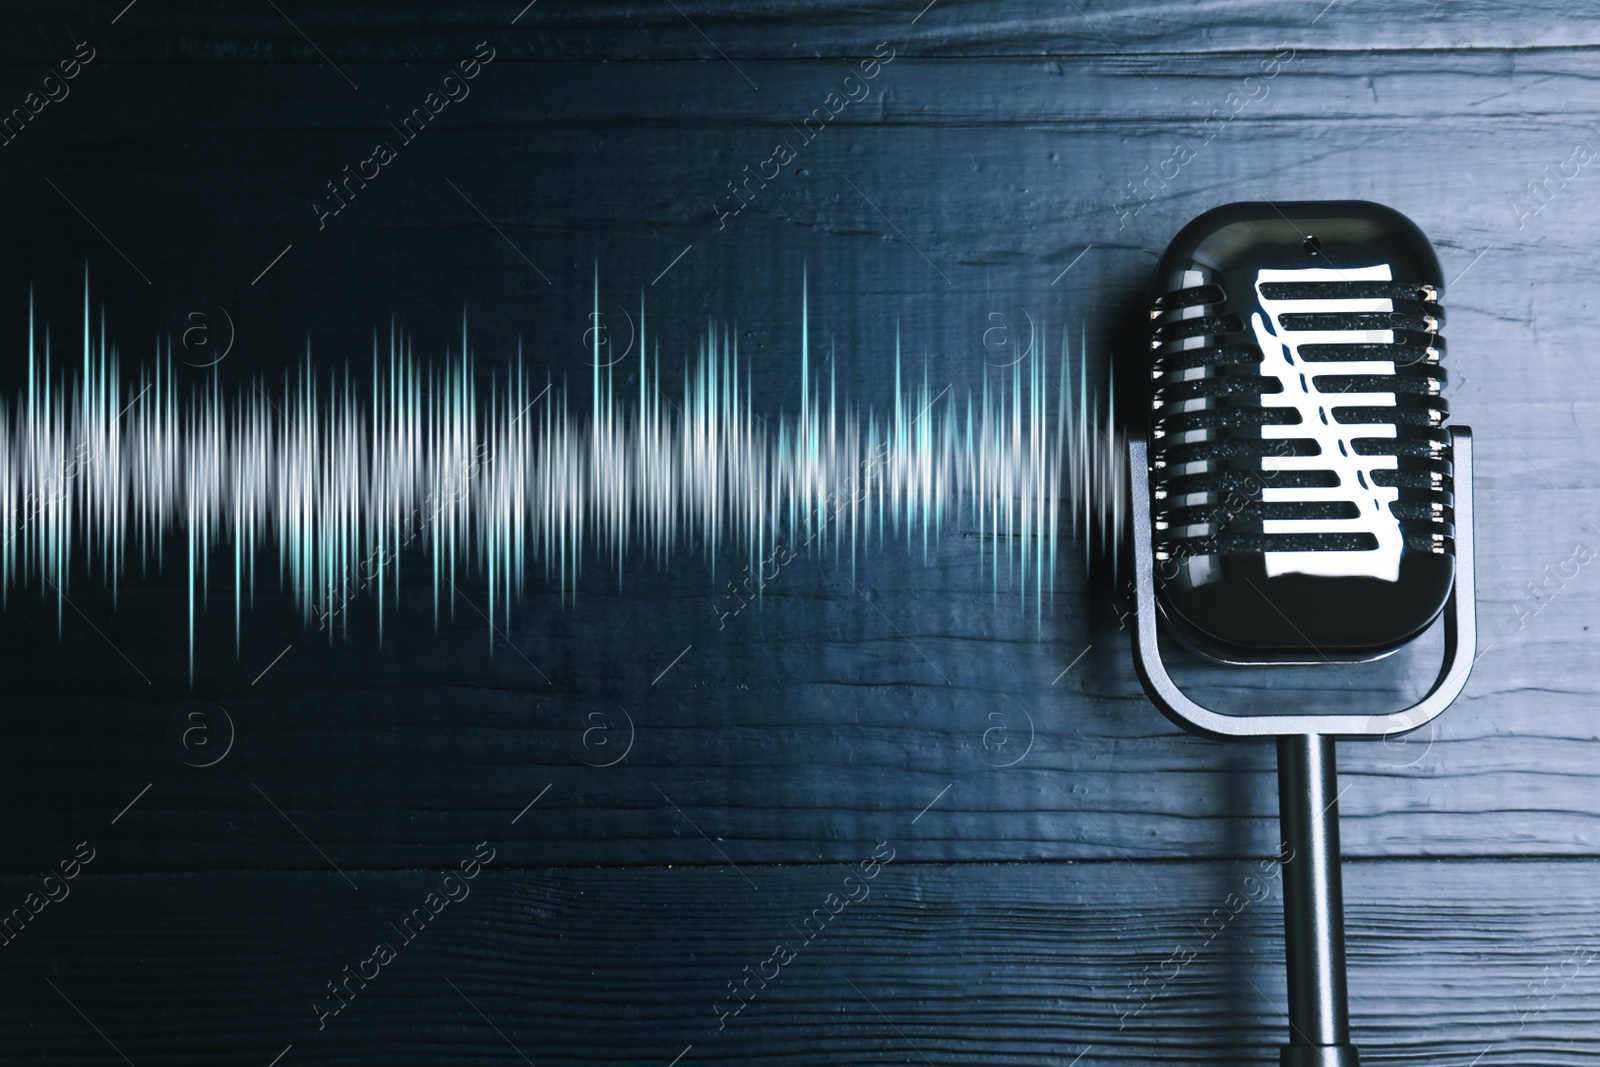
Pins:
x: 1298, y: 499
x: 1300, y: 474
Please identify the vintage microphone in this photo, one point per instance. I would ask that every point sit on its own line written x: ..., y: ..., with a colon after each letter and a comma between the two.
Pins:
x: 1297, y: 499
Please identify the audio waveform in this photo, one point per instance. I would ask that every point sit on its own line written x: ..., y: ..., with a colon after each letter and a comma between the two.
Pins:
x: 340, y: 484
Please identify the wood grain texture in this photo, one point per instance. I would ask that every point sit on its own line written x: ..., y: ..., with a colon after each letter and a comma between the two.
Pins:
x: 1015, y: 964
x: 789, y: 733
x: 1032, y: 907
x: 786, y: 739
x: 350, y: 31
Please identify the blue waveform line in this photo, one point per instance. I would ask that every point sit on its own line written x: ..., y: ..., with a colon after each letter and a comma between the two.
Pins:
x: 343, y: 479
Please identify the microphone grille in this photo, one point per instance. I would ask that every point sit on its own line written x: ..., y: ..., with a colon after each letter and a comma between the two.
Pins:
x: 1321, y: 417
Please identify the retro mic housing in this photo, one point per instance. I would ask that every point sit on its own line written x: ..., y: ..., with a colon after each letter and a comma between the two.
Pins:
x: 1297, y: 498
x: 1301, y: 479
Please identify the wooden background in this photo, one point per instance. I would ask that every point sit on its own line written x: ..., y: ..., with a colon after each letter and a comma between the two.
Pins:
x: 1030, y: 911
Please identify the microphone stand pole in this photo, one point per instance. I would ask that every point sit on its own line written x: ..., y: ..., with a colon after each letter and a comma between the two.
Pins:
x: 1313, y: 905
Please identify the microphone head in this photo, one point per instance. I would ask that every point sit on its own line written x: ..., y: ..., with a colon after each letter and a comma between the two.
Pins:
x: 1300, y: 476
